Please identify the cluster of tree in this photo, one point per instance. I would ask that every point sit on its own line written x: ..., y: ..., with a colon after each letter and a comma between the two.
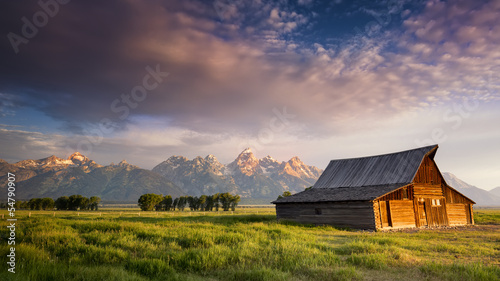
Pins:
x: 35, y: 204
x: 151, y: 201
x: 73, y: 202
x: 77, y: 202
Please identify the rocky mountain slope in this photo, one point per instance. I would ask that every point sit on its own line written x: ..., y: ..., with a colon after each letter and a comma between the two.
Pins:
x: 246, y: 175
x: 55, y: 177
x: 480, y: 196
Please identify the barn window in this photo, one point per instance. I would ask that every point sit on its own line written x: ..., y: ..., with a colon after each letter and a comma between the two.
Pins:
x: 317, y: 211
x: 436, y: 202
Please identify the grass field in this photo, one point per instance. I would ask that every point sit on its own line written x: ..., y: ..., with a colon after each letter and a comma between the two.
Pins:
x: 118, y: 244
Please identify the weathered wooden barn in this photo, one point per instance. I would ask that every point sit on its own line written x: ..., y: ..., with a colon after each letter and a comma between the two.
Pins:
x: 397, y: 190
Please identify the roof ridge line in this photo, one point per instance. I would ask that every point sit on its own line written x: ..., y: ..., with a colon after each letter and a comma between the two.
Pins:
x: 385, y: 154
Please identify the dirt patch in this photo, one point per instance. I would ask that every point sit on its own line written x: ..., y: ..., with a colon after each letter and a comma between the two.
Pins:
x: 483, y: 227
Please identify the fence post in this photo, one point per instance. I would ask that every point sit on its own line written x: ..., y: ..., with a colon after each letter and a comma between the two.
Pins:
x: 29, y: 214
x: 54, y: 214
x: 78, y: 213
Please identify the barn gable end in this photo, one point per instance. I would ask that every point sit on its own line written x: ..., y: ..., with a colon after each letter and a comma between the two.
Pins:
x: 397, y: 190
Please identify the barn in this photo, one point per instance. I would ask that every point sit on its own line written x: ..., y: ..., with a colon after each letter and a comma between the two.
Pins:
x: 397, y: 190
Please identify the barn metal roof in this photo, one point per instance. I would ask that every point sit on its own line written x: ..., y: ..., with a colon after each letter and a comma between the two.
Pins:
x: 363, y: 193
x: 393, y: 168
x: 364, y: 178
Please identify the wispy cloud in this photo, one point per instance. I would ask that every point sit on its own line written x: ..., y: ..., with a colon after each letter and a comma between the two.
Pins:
x: 231, y: 64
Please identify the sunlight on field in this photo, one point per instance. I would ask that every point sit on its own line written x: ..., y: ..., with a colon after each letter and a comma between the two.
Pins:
x: 247, y: 244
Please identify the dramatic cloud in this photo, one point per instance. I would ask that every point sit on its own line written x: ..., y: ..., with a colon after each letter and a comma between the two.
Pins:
x: 353, y: 77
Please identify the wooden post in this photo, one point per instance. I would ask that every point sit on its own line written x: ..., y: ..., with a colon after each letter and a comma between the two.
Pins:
x: 54, y: 214
x: 139, y: 214
x: 78, y: 213
x: 29, y: 214
x: 100, y: 214
x: 2, y: 216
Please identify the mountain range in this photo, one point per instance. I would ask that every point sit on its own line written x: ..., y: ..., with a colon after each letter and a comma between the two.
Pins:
x: 55, y: 177
x: 247, y: 176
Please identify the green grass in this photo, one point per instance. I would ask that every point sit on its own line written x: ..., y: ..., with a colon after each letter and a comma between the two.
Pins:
x: 245, y: 245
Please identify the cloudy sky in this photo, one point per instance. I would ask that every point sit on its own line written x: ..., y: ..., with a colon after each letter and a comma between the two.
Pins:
x: 144, y: 80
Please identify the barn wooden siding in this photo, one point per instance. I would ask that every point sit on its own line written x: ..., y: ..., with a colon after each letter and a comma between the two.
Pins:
x: 428, y: 201
x: 397, y: 190
x: 340, y: 214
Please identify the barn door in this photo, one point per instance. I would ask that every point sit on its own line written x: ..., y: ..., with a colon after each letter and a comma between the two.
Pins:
x: 421, y: 213
x: 385, y: 213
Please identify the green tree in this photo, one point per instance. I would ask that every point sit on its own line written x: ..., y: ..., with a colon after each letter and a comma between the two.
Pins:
x: 216, y: 200
x: 167, y: 203
x: 148, y: 202
x: 176, y: 202
x: 47, y: 203
x: 182, y: 203
x: 78, y: 202
x: 209, y: 205
x: 35, y: 203
x: 94, y: 203
x: 192, y: 202
x: 62, y: 203
x: 285, y: 194
x: 20, y: 205
x: 234, y: 201
x: 225, y: 200
x: 202, y: 202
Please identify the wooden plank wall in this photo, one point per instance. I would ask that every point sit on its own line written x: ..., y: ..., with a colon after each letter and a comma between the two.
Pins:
x: 436, y: 215
x: 428, y: 173
x: 398, y: 194
x: 454, y: 197
x: 357, y: 214
x: 428, y: 191
x: 402, y: 213
x: 457, y: 213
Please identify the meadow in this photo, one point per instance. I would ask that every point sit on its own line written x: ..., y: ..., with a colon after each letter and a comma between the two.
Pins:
x: 248, y: 244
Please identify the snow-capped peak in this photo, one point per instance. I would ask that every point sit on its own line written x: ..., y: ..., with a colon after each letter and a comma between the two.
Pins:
x: 211, y: 158
x: 78, y: 157
x: 246, y: 151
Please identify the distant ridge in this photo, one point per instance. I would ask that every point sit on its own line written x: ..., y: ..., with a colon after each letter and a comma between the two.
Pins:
x: 480, y: 196
x: 496, y: 191
x: 55, y: 177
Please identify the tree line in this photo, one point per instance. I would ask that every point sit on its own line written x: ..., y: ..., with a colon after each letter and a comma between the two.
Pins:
x: 225, y: 201
x: 73, y: 202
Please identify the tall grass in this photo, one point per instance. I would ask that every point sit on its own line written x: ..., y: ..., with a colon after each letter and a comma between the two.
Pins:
x: 241, y: 247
